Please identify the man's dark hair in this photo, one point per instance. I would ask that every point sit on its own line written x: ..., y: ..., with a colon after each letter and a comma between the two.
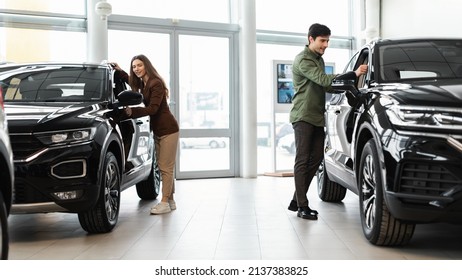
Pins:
x: 317, y: 29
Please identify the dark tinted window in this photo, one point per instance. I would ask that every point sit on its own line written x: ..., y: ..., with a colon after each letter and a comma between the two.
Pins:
x: 420, y: 60
x: 54, y: 84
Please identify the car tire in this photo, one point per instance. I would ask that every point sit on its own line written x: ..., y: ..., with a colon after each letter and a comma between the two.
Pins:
x: 214, y: 144
x: 150, y: 188
x: 379, y: 226
x: 3, y: 229
x: 104, y: 215
x: 327, y: 190
x: 292, y: 149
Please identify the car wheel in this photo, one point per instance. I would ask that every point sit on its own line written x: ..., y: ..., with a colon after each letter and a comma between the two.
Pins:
x: 4, y: 244
x: 149, y: 189
x: 292, y: 149
x: 213, y: 144
x: 103, y: 217
x: 379, y: 226
x: 327, y: 190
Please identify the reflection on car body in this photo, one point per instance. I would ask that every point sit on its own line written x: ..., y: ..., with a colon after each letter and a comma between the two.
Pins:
x: 72, y: 150
x: 394, y: 137
x: 6, y: 179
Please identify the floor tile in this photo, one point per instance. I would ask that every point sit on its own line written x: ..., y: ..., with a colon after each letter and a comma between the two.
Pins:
x: 224, y: 219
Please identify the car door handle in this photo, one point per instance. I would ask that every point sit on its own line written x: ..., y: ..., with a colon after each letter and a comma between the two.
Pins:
x: 139, y: 122
x: 337, y: 112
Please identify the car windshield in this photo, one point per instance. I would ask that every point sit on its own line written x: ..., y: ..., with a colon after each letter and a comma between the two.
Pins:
x: 420, y: 60
x: 54, y: 84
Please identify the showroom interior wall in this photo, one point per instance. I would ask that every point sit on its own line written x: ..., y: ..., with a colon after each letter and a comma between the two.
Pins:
x: 411, y: 18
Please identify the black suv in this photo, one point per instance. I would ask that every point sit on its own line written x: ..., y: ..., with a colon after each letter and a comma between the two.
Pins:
x: 394, y: 137
x: 72, y: 150
x: 6, y: 179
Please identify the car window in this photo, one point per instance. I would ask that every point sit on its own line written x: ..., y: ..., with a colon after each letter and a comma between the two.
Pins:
x: 363, y: 59
x: 351, y: 64
x: 59, y: 84
x: 421, y: 60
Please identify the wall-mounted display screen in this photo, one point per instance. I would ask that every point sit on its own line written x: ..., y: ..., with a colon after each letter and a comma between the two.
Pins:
x: 284, y: 86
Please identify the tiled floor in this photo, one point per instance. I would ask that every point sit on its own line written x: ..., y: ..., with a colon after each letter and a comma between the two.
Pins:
x: 224, y: 219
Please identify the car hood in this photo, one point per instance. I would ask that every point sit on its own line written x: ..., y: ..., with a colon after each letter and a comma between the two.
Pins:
x: 446, y: 93
x: 27, y: 118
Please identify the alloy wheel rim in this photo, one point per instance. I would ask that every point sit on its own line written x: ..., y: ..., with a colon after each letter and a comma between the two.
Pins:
x: 111, y: 192
x: 320, y: 177
x: 368, y: 190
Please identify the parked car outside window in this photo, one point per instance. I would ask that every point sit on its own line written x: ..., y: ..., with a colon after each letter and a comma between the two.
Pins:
x: 203, y: 142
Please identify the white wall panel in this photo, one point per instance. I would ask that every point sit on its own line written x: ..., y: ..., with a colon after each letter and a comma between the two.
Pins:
x: 421, y: 18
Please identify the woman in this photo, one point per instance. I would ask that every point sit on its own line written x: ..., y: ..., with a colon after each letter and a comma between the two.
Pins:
x: 144, y: 78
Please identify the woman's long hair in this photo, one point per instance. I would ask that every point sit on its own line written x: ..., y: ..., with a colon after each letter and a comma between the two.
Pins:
x: 136, y: 83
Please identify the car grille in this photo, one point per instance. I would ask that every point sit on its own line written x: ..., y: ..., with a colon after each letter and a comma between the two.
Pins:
x: 24, y: 145
x: 427, y: 179
x: 24, y: 193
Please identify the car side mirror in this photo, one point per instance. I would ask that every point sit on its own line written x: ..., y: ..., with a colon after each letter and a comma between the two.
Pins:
x: 345, y: 85
x: 349, y: 86
x: 127, y: 98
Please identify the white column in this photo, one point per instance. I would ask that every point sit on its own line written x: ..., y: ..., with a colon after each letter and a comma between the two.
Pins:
x: 372, y: 12
x: 97, y: 34
x: 248, y: 89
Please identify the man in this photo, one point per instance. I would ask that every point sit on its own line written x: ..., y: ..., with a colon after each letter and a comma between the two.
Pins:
x: 307, y: 114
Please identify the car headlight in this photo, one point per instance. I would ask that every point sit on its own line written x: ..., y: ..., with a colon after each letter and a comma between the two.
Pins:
x: 66, y: 136
x: 411, y: 117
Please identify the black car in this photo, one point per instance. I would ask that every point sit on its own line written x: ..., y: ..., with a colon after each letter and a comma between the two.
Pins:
x: 394, y: 137
x: 73, y: 151
x: 7, y: 181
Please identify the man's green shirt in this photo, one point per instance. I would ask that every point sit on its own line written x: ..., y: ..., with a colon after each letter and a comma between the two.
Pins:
x: 310, y: 84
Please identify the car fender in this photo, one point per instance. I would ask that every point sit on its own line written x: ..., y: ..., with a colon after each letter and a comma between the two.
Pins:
x: 112, y: 142
x: 366, y: 132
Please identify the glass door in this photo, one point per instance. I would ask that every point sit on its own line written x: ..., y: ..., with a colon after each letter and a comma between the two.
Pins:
x: 199, y: 68
x: 205, y: 106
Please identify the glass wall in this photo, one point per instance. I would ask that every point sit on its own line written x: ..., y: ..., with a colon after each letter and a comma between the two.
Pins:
x: 275, y: 149
x: 75, y: 7
x: 56, y: 30
x: 297, y: 15
x: 32, y: 45
x: 205, y: 105
x: 124, y: 45
x: 42, y: 30
x: 197, y: 10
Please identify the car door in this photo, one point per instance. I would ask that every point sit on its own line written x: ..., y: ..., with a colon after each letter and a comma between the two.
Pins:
x: 341, y: 112
x: 137, y: 138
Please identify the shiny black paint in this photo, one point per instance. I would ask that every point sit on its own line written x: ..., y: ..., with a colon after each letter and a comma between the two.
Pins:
x: 34, y: 181
x: 409, y: 195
